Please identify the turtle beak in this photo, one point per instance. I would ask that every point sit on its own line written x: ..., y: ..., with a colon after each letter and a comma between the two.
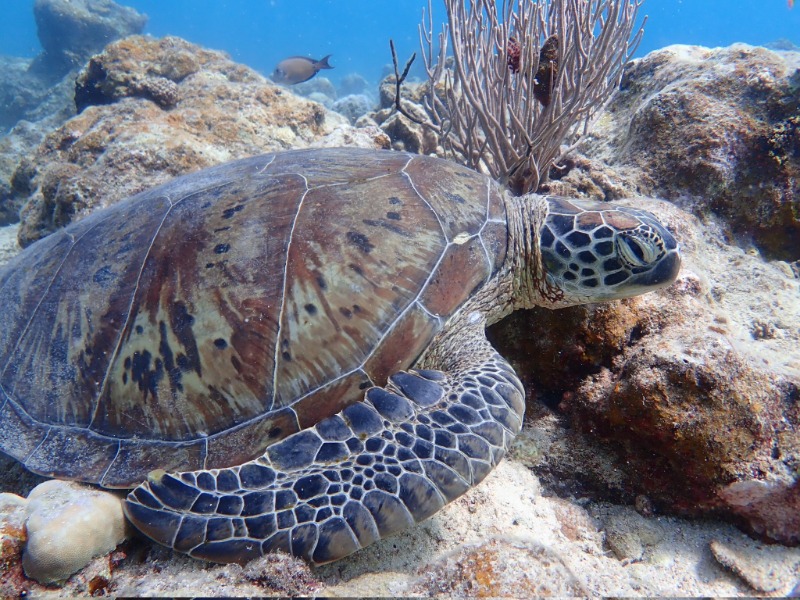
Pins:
x: 663, y: 275
x: 660, y: 276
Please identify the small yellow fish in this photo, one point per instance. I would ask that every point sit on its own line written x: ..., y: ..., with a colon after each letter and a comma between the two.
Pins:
x: 297, y: 69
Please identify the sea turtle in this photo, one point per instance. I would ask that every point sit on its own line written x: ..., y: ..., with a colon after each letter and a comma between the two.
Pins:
x: 288, y: 351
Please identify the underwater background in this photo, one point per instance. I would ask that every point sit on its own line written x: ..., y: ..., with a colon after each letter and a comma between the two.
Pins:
x: 260, y: 33
x: 661, y: 448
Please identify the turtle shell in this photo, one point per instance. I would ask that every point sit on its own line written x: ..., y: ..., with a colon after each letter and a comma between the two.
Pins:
x: 194, y: 324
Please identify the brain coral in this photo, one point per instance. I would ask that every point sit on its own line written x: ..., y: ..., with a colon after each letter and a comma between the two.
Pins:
x: 68, y: 525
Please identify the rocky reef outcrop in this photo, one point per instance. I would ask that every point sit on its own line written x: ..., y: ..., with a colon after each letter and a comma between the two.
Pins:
x: 695, y: 391
x: 37, y: 95
x: 71, y: 31
x: 717, y: 131
x: 404, y: 133
x: 692, y: 392
x: 152, y: 109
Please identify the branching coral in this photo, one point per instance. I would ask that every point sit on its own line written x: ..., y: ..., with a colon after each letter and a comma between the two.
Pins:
x: 524, y: 76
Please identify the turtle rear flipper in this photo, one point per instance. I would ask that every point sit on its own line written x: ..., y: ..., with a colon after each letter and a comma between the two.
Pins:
x: 374, y: 469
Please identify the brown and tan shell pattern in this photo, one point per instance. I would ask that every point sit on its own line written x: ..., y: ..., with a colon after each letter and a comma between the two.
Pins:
x: 194, y: 324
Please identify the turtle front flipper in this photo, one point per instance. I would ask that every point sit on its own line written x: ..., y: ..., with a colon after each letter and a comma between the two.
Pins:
x: 374, y: 469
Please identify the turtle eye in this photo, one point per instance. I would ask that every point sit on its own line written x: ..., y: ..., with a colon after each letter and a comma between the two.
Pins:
x: 636, y: 250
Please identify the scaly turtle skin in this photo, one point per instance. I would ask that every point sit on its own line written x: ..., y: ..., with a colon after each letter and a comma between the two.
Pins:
x: 289, y: 350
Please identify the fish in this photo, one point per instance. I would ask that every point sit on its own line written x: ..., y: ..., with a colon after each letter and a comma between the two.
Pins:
x: 791, y: 3
x: 297, y: 69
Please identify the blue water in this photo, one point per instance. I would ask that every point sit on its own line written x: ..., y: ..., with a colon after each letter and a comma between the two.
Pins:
x: 260, y: 33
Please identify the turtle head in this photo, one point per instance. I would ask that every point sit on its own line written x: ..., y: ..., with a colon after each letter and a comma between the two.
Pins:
x: 596, y: 251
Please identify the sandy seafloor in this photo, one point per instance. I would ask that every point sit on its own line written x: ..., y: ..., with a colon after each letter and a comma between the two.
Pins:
x: 527, y: 542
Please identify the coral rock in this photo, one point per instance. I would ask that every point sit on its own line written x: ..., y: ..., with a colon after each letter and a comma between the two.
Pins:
x: 12, y: 527
x: 352, y: 106
x: 37, y: 95
x: 765, y: 568
x: 70, y: 31
x: 353, y: 83
x: 153, y: 109
x: 317, y: 85
x: 713, y: 129
x: 772, y: 508
x: 68, y: 524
